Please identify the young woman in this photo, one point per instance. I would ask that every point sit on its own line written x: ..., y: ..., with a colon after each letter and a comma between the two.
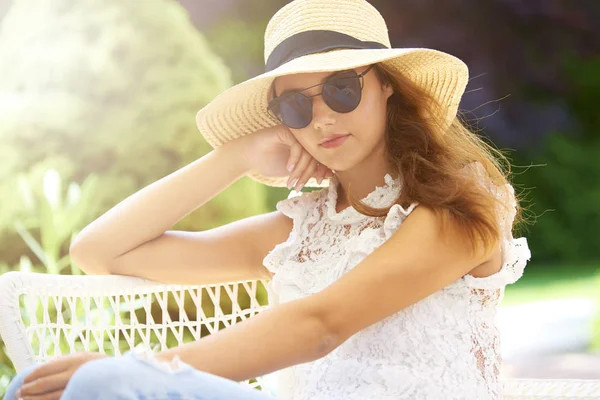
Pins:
x: 385, y: 282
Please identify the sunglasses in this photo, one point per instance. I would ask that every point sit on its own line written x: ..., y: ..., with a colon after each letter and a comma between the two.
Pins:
x: 342, y: 94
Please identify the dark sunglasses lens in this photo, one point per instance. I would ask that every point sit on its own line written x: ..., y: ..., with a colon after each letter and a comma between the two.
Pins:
x: 295, y: 110
x: 343, y: 94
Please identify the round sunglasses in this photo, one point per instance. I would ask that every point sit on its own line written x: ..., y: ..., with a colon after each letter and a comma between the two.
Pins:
x: 341, y: 93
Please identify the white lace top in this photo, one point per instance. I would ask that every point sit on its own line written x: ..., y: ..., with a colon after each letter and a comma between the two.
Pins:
x: 445, y: 346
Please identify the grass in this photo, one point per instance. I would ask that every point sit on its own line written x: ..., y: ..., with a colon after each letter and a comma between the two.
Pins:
x: 550, y: 282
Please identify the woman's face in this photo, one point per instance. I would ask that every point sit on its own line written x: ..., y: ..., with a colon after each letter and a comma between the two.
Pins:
x: 364, y: 127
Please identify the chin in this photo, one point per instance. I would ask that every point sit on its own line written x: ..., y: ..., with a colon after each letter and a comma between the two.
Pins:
x: 339, y: 166
x: 342, y: 160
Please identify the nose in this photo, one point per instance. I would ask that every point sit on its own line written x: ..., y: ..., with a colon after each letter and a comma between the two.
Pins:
x: 322, y: 114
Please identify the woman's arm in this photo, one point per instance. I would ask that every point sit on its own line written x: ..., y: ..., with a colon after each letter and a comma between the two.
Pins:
x: 282, y: 336
x: 418, y: 260
x: 229, y: 253
x: 110, y: 244
x: 132, y: 237
x: 149, y: 212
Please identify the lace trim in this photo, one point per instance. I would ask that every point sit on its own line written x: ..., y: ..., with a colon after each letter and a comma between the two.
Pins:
x: 295, y: 207
x: 516, y: 254
x: 319, y: 251
x: 380, y: 197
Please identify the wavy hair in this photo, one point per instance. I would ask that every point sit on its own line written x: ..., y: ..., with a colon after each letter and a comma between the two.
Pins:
x: 445, y: 167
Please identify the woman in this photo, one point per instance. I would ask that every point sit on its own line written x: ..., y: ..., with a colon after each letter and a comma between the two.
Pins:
x: 385, y: 282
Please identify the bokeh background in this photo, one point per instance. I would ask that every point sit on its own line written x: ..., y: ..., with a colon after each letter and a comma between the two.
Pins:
x: 98, y: 97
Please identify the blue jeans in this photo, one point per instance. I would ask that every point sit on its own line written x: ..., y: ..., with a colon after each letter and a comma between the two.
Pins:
x: 131, y: 378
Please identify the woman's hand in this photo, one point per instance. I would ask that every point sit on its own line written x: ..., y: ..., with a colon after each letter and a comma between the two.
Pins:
x: 49, y: 380
x: 275, y: 152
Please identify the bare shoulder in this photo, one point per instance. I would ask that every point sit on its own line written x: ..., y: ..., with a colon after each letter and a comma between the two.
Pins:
x: 489, y: 267
x: 424, y: 220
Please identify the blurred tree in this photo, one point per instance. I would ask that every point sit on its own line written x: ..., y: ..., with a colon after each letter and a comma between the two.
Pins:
x: 106, y: 87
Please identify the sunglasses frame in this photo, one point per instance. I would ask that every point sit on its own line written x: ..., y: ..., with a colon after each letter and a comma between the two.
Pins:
x: 309, y: 98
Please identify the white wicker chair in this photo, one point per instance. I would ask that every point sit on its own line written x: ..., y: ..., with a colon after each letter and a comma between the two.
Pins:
x: 43, y: 316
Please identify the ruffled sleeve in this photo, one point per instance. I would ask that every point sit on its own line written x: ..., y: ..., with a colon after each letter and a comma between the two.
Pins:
x: 395, y: 217
x: 515, y: 252
x: 297, y: 206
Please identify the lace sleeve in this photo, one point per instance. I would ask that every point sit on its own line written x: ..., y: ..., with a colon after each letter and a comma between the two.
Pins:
x: 515, y: 252
x: 395, y: 217
x: 296, y: 206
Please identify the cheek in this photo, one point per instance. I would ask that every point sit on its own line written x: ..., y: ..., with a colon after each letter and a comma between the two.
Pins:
x: 370, y: 116
x: 303, y: 136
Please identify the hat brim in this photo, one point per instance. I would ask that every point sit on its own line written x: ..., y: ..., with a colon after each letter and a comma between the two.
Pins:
x: 242, y: 109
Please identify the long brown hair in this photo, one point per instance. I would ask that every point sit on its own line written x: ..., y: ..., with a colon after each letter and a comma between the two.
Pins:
x: 430, y: 156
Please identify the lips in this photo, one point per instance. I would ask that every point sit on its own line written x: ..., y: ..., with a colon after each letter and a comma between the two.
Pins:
x: 334, y: 137
x: 334, y: 141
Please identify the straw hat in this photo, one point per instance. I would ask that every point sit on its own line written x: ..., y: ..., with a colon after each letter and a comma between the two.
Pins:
x: 321, y: 36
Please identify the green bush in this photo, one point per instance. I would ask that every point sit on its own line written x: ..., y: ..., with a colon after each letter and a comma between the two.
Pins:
x: 53, y: 213
x: 563, y: 200
x: 111, y: 88
x: 563, y: 187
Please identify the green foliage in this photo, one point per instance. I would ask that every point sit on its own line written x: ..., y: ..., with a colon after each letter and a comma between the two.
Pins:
x: 117, y: 96
x: 56, y: 219
x: 240, y: 44
x: 565, y: 204
x: 583, y: 93
x: 564, y: 185
x: 55, y: 216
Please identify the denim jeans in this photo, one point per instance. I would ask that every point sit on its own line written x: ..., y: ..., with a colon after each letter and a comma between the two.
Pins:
x: 130, y: 377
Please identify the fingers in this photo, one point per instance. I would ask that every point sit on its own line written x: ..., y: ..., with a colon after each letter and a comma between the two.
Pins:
x: 319, y: 173
x: 308, y: 173
x: 46, y: 385
x: 301, y: 165
x: 322, y: 173
x: 307, y: 168
x: 46, y: 396
x: 296, y: 151
x: 50, y: 368
x: 299, y: 168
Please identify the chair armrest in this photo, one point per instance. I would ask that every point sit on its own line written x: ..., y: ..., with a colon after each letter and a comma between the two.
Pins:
x: 120, y: 292
x: 538, y: 389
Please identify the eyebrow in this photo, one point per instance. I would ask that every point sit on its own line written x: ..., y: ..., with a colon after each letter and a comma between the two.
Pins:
x: 299, y: 90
